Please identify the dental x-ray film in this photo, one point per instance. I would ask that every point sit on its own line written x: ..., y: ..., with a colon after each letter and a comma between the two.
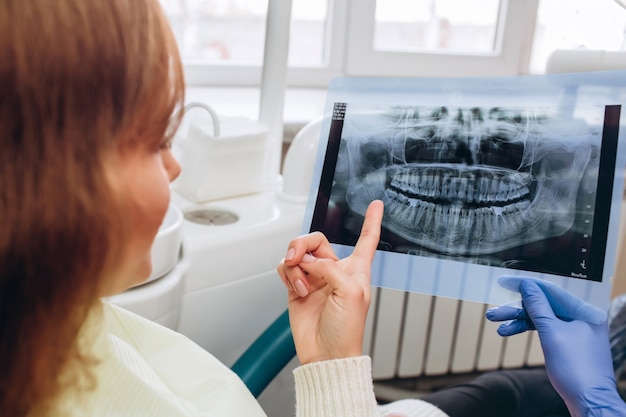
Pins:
x: 480, y: 177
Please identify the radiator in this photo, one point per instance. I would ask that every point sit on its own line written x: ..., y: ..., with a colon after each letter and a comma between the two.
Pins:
x: 422, y: 337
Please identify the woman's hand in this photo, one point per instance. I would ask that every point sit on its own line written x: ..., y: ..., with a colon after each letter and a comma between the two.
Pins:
x: 328, y: 297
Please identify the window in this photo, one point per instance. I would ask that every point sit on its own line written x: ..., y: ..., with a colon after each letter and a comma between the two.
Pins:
x: 222, y: 41
x: 218, y: 32
x: 576, y: 25
x: 444, y: 51
x: 436, y: 26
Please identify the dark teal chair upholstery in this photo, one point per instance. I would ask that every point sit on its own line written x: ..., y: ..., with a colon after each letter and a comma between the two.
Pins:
x: 267, y: 355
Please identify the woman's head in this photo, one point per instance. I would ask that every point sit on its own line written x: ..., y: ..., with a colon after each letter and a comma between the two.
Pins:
x: 84, y: 86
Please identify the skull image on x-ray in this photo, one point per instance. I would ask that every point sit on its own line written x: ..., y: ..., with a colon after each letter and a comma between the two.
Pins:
x: 467, y: 181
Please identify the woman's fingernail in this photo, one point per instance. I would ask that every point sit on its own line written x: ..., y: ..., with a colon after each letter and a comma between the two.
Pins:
x: 301, y: 288
x: 290, y: 254
x: 308, y: 258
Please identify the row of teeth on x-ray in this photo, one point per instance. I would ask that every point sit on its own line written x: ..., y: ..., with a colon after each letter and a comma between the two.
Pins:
x: 466, y: 188
x: 454, y: 220
x: 467, y: 180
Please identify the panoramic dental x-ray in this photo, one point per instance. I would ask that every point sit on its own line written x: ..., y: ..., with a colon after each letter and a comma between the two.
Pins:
x: 476, y: 184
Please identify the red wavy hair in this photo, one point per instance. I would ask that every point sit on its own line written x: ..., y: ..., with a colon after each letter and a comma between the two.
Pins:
x: 77, y: 79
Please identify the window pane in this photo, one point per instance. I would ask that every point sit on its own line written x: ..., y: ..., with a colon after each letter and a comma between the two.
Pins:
x: 576, y: 24
x: 218, y: 31
x: 307, y: 36
x: 233, y: 31
x: 436, y: 25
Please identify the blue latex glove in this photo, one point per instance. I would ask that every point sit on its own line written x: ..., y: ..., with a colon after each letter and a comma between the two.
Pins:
x: 575, y: 343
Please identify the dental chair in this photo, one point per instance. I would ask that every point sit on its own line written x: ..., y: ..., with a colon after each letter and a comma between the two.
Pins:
x: 266, y: 356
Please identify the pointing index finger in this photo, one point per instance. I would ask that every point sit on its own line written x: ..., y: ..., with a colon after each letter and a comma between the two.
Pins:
x: 365, y: 247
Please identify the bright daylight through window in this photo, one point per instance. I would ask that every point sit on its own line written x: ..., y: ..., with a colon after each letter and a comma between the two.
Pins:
x: 341, y: 37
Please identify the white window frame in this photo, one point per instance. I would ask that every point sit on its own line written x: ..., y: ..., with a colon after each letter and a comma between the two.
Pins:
x: 514, y: 37
x: 350, y: 52
x: 200, y: 74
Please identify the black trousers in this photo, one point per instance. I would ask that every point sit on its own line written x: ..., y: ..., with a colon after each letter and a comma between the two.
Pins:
x: 506, y: 393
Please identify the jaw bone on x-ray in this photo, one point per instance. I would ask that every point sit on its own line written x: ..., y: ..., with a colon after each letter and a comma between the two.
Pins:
x: 505, y: 183
x: 469, y: 181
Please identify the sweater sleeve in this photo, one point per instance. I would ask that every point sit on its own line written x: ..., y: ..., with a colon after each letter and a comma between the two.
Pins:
x: 337, y: 388
x: 344, y: 388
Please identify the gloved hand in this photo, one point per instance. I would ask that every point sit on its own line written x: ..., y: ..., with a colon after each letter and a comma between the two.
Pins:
x: 575, y: 343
